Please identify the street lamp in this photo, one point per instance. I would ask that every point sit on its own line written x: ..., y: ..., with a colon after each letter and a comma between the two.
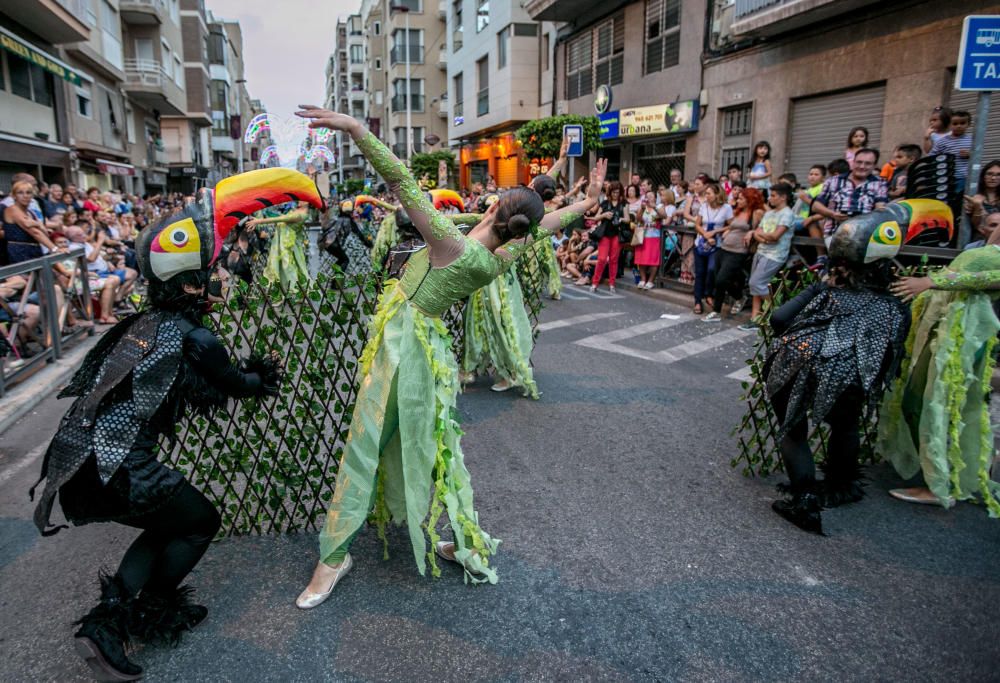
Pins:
x: 409, y: 114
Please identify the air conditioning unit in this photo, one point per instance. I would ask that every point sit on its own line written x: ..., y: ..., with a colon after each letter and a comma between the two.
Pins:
x: 562, y: 107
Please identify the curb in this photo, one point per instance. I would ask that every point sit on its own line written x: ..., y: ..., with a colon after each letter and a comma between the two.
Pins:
x: 20, y: 400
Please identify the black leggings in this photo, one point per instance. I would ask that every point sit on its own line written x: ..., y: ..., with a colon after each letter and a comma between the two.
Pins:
x: 842, y: 448
x: 730, y: 277
x: 172, y: 542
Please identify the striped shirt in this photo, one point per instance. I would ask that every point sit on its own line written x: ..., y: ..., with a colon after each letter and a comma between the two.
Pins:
x: 949, y: 144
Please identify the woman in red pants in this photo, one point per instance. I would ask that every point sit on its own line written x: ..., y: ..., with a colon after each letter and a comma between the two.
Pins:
x: 613, y: 215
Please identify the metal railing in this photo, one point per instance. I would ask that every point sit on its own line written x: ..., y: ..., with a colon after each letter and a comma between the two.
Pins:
x: 398, y: 55
x: 747, y: 7
x: 146, y: 72
x: 416, y: 103
x: 483, y: 102
x: 36, y: 315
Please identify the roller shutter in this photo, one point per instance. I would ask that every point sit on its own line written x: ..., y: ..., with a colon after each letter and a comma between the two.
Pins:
x: 965, y: 100
x: 819, y: 126
x: 507, y: 172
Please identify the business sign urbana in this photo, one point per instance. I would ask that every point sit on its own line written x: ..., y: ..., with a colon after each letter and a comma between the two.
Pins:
x: 660, y: 119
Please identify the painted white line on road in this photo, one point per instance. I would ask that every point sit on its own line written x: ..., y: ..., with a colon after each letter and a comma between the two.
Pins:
x: 24, y: 462
x: 576, y: 320
x: 696, y: 346
x: 610, y: 341
x: 585, y: 293
x: 742, y: 375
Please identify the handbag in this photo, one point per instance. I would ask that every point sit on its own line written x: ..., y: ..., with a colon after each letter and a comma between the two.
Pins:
x: 638, y: 236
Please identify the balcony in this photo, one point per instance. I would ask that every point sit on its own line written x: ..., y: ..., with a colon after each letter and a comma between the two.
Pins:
x: 142, y: 12
x: 761, y: 18
x: 55, y: 21
x: 399, y: 103
x: 398, y: 55
x: 443, y: 9
x: 151, y: 86
x: 442, y: 108
x: 456, y: 39
x: 443, y: 59
x: 570, y: 10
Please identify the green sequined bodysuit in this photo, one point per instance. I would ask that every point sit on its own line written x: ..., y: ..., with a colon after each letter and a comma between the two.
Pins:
x: 935, y: 420
x: 404, y: 438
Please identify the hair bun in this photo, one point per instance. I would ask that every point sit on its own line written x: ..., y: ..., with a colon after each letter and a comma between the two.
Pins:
x: 519, y: 223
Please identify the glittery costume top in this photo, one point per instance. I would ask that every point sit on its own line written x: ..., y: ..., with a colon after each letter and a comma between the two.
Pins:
x: 133, y: 387
x: 830, y: 339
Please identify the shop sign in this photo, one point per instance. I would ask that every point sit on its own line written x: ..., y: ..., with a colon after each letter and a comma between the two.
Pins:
x: 678, y: 117
x: 29, y: 53
x: 602, y: 100
x: 609, y: 125
x: 114, y: 168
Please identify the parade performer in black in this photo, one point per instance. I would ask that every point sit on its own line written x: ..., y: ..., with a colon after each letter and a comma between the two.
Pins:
x: 133, y: 388
x: 837, y: 345
x: 335, y: 241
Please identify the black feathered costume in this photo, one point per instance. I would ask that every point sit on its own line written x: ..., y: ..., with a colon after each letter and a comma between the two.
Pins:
x: 133, y: 388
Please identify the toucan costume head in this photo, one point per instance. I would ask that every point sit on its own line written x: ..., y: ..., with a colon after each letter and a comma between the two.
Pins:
x: 347, y: 207
x: 868, y: 238
x: 181, y: 249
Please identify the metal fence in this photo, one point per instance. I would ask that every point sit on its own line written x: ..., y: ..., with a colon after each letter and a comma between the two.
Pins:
x: 33, y: 320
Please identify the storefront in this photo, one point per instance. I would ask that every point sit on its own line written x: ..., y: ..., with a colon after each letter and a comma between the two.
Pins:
x: 653, y: 139
x: 47, y: 161
x: 106, y: 174
x: 499, y: 157
x: 187, y: 179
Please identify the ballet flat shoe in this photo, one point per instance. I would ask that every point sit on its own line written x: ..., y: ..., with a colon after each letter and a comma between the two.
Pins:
x: 308, y: 600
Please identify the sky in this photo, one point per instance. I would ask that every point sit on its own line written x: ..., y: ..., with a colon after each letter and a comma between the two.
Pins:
x: 285, y: 47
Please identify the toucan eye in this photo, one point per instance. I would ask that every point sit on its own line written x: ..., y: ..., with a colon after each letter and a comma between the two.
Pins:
x: 178, y: 237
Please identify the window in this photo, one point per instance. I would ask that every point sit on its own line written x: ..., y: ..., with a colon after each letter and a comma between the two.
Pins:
x: 609, y: 67
x: 178, y: 71
x: 458, y: 31
x: 579, y: 75
x: 130, y: 126
x: 168, y: 62
x: 416, y: 95
x: 377, y: 28
x: 412, y: 5
x: 175, y: 11
x: 546, y: 53
x: 663, y: 35
x: 3, y: 83
x: 144, y: 49
x: 400, y: 46
x: 217, y: 48
x: 736, y: 127
x: 482, y: 14
x: 84, y: 105
x: 525, y: 30
x: 91, y: 13
x: 458, y: 97
x: 378, y: 63
x: 111, y: 44
x: 220, y: 96
x: 503, y: 40
x: 30, y: 81
x: 483, y: 97
x: 357, y: 54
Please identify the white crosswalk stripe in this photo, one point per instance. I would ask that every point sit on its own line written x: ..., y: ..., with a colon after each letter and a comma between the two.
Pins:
x: 576, y: 320
x: 578, y: 293
x: 742, y: 375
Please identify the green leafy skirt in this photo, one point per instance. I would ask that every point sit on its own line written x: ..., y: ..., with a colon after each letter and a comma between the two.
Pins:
x: 404, y: 442
x: 498, y: 333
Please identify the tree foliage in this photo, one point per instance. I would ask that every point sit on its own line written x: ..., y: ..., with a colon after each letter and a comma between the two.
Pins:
x: 543, y: 137
x: 427, y: 164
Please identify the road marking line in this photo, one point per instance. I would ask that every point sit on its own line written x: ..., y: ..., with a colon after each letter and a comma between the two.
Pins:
x: 703, y: 344
x: 742, y: 375
x: 576, y: 320
x: 24, y: 462
x: 599, y: 294
x: 610, y: 341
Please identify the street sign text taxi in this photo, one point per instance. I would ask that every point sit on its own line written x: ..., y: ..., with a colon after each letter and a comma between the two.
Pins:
x: 979, y: 56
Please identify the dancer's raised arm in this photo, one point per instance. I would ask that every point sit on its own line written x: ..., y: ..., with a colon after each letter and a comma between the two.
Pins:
x: 444, y: 240
x: 562, y: 218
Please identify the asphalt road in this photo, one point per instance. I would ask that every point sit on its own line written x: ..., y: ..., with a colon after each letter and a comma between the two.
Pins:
x: 632, y: 551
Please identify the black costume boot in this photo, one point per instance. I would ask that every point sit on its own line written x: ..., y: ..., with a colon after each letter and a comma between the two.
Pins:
x: 103, y: 634
x: 801, y: 508
x: 163, y: 618
x: 841, y: 486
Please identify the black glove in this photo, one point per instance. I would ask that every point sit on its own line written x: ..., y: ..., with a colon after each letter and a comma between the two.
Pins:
x: 268, y: 369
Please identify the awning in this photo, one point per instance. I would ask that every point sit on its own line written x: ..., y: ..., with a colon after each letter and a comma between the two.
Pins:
x: 28, y: 52
x: 115, y: 167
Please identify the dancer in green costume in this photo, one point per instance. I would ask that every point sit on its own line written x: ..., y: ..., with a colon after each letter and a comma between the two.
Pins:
x: 936, y: 419
x: 402, y: 445
x: 286, y: 258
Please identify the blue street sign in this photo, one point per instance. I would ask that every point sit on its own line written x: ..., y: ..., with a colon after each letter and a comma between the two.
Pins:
x: 979, y: 56
x: 575, y: 135
x: 609, y: 125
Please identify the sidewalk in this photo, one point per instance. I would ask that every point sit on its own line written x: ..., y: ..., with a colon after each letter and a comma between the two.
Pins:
x: 20, y: 399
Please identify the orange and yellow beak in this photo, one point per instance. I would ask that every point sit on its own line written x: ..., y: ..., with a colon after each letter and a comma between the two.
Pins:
x: 447, y: 199
x: 238, y: 196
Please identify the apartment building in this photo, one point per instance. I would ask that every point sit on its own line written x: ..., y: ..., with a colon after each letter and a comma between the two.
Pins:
x: 34, y: 126
x: 800, y: 74
x: 228, y: 97
x: 497, y: 58
x: 636, y: 65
